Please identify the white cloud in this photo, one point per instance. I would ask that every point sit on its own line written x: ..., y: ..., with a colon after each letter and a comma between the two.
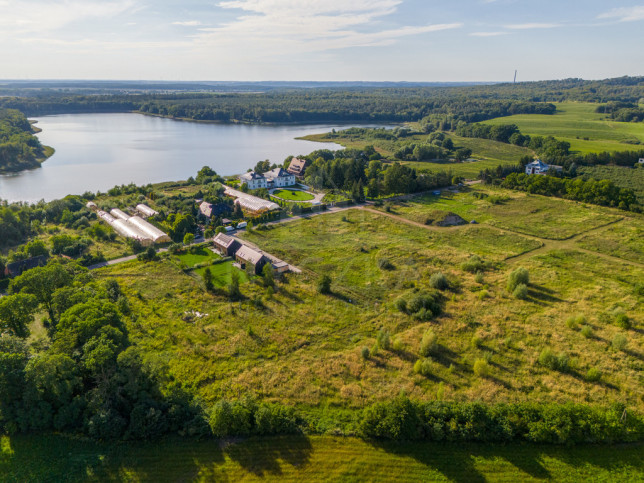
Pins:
x: 188, y: 23
x: 488, y: 34
x: 28, y: 16
x: 528, y: 26
x: 625, y: 14
x: 268, y: 27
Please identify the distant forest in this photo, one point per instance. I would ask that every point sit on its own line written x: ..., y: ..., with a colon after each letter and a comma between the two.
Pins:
x: 448, y: 104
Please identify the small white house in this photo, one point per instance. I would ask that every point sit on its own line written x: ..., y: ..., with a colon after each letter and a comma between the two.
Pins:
x: 253, y: 180
x: 278, y: 178
x: 536, y: 167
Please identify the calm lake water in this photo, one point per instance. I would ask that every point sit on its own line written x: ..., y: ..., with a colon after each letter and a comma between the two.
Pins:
x: 97, y: 151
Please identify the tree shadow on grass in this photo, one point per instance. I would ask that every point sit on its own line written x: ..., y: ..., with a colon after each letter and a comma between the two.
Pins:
x: 542, y: 295
x: 265, y: 456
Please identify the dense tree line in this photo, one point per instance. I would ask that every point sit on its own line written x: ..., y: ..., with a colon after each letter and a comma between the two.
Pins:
x: 355, y: 171
x: 623, y: 111
x: 19, y: 148
x: 598, y: 192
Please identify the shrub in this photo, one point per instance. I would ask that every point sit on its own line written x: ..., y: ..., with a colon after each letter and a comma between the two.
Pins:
x: 481, y: 368
x: 398, y: 344
x: 385, y: 264
x: 483, y: 294
x: 518, y: 277
x: 623, y: 321
x: 476, y: 342
x: 365, y: 353
x: 593, y: 374
x: 587, y: 331
x: 423, y: 306
x: 384, y: 339
x: 574, y: 321
x: 424, y: 367
x: 438, y: 281
x: 429, y: 344
x: 474, y: 264
x: 559, y: 362
x: 479, y: 277
x: 401, y: 304
x: 619, y: 342
x: 520, y: 291
x: 324, y: 284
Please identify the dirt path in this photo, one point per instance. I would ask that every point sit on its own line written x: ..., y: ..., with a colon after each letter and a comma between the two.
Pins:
x: 547, y: 245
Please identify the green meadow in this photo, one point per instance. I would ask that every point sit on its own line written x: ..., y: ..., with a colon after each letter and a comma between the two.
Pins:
x: 577, y: 123
x: 317, y: 458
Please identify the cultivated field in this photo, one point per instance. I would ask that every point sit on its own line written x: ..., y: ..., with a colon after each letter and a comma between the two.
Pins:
x: 317, y: 458
x: 579, y: 124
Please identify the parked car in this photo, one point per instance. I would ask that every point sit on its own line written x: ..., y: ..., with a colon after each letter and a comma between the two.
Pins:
x: 229, y: 228
x: 241, y: 225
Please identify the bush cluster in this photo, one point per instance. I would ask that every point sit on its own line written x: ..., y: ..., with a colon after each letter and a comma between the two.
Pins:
x: 421, y: 305
x: 402, y: 419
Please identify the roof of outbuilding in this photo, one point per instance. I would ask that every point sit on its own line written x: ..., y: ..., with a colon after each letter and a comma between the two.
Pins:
x: 224, y: 240
x: 248, y: 254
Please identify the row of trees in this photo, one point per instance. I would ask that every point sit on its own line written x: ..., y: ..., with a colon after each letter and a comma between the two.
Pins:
x: 599, y: 192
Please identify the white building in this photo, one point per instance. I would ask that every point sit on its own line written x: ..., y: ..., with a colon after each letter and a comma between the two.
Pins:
x: 539, y: 167
x: 278, y: 178
x: 253, y: 180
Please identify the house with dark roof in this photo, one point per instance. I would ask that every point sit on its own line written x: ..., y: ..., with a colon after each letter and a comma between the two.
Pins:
x: 297, y: 167
x: 251, y: 260
x: 253, y: 180
x: 226, y: 245
x: 18, y: 268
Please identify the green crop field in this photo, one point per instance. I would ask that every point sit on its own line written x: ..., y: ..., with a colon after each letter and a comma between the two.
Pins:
x: 624, y: 177
x: 317, y: 458
x: 293, y: 195
x: 576, y: 121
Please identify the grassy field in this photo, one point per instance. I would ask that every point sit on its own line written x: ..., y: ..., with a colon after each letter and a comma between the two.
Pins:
x: 293, y: 195
x: 300, y: 347
x: 532, y: 215
x: 624, y: 240
x: 579, y: 124
x: 61, y: 459
x: 488, y: 154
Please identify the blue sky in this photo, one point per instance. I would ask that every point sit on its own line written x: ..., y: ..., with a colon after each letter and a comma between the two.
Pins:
x: 412, y: 40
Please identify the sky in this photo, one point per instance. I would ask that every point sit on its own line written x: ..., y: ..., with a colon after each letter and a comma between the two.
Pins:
x: 321, y: 40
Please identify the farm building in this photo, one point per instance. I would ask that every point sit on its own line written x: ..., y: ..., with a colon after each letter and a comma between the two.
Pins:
x: 226, y: 245
x: 297, y: 167
x: 251, y: 260
x: 17, y: 268
x: 280, y: 267
x: 146, y: 211
x: 133, y: 227
x: 116, y: 213
x: 209, y: 209
x: 91, y: 206
x: 251, y: 203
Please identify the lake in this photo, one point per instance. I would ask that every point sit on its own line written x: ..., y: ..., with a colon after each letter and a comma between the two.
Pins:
x: 97, y: 151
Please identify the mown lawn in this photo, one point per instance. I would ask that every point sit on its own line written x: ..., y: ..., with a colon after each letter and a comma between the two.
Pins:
x: 200, y: 255
x: 316, y: 458
x: 293, y: 195
x: 533, y: 215
x: 222, y: 273
x: 575, y: 121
